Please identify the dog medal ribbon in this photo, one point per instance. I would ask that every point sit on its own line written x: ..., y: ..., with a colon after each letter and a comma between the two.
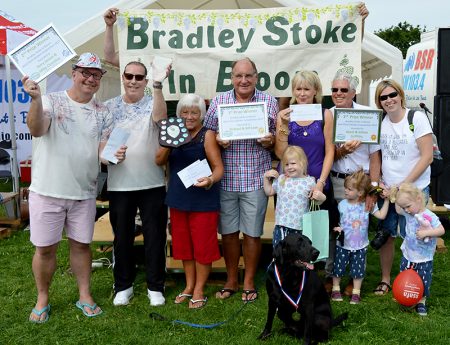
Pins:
x: 294, y: 303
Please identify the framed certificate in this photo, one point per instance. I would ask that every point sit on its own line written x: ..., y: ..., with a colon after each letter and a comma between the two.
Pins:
x: 41, y: 54
x: 357, y: 124
x: 243, y: 121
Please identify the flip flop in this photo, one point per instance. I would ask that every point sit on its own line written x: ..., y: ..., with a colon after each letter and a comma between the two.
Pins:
x: 91, y: 307
x: 228, y: 291
x: 200, y: 302
x: 36, y: 312
x: 382, y: 289
x: 182, y: 297
x: 249, y: 295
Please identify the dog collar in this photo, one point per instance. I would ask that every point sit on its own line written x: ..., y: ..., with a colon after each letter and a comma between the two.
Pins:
x: 295, y: 303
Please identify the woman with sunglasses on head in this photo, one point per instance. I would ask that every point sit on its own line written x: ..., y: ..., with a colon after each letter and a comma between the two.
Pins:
x: 315, y: 137
x: 406, y: 154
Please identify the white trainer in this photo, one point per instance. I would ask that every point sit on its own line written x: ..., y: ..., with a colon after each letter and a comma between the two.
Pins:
x: 123, y: 297
x: 156, y: 298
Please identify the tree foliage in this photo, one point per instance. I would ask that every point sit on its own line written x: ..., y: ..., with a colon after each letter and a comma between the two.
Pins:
x: 401, y: 36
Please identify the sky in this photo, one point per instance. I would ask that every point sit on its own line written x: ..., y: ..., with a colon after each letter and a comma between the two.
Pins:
x: 383, y: 13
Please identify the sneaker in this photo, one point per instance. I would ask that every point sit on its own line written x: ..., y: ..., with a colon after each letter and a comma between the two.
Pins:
x: 355, y: 299
x: 123, y: 297
x: 336, y: 296
x: 156, y: 298
x: 421, y: 309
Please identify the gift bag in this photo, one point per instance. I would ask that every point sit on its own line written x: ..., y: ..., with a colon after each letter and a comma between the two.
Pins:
x: 316, y: 227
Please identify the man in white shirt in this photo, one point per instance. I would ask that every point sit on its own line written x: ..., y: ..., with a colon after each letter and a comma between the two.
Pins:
x: 351, y: 155
x: 69, y: 129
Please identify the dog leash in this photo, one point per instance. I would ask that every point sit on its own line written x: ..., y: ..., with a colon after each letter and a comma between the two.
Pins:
x: 159, y: 317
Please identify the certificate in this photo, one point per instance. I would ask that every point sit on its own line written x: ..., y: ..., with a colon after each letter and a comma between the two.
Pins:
x: 41, y: 54
x: 357, y: 124
x: 306, y: 112
x: 190, y: 175
x: 243, y: 121
x: 117, y: 138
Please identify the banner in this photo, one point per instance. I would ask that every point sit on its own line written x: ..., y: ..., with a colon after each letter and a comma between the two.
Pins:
x: 281, y: 41
x: 21, y: 104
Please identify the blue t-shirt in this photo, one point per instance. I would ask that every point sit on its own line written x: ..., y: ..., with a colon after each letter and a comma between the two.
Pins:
x: 354, y: 220
x: 414, y: 249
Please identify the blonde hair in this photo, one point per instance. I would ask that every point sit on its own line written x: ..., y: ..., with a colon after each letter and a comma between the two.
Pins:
x: 298, y: 154
x: 409, y: 189
x: 389, y: 83
x: 360, y: 181
x: 310, y: 77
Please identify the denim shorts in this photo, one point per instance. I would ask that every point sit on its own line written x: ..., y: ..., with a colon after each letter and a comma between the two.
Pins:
x: 355, y: 259
x: 394, y: 220
x: 280, y: 232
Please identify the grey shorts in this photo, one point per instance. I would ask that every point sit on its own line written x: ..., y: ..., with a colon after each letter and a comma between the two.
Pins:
x: 242, y: 211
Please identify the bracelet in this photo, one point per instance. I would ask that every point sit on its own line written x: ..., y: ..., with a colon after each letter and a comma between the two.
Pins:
x: 321, y: 181
x: 284, y: 131
x: 157, y: 86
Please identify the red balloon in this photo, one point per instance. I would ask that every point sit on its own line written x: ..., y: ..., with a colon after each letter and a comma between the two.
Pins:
x: 408, y: 288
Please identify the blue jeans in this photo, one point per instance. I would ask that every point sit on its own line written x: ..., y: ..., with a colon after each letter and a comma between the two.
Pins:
x: 394, y: 220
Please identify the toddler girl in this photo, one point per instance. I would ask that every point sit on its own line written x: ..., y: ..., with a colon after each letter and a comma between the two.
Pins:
x: 294, y: 189
x: 419, y: 244
x: 353, y: 239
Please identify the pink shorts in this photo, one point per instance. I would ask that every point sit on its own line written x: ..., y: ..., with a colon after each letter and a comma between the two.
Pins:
x: 194, y: 236
x: 49, y: 216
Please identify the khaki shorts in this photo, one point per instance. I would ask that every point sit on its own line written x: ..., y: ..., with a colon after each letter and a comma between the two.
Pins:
x: 242, y: 211
x: 49, y: 216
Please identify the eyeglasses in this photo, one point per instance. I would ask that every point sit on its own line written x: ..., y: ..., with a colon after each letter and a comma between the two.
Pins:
x: 343, y: 90
x: 242, y: 76
x: 391, y: 95
x: 130, y: 76
x: 87, y: 74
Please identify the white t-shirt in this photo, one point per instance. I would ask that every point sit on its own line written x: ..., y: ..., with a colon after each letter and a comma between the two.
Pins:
x: 292, y: 199
x: 138, y: 171
x: 399, y: 150
x: 65, y: 160
x: 359, y: 158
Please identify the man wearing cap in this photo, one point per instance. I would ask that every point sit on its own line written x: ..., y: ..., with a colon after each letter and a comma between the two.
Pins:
x: 69, y: 129
x: 138, y: 183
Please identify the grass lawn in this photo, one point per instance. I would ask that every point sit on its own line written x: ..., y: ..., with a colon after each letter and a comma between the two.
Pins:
x: 377, y: 320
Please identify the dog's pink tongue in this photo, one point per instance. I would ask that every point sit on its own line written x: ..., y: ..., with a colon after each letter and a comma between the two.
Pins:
x: 309, y: 266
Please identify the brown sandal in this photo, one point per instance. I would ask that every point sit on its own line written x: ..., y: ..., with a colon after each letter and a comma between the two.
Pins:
x: 382, y: 289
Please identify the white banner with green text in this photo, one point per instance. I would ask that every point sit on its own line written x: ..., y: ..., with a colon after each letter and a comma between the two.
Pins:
x: 204, y: 44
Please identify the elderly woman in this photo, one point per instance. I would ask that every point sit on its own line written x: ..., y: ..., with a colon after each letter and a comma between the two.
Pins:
x: 194, y: 211
x: 315, y: 137
x: 406, y: 155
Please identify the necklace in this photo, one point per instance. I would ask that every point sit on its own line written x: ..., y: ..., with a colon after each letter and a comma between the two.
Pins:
x: 304, y: 128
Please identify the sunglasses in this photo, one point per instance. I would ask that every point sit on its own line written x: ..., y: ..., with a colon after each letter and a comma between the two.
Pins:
x: 343, y: 90
x: 138, y: 77
x: 87, y: 74
x: 391, y: 95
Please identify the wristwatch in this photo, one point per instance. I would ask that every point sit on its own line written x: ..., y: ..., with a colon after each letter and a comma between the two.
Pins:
x: 374, y: 183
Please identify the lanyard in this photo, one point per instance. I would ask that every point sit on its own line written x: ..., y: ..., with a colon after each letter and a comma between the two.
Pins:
x: 294, y: 303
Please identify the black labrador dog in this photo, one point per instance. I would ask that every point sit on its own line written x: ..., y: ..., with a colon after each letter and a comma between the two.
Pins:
x: 306, y: 312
